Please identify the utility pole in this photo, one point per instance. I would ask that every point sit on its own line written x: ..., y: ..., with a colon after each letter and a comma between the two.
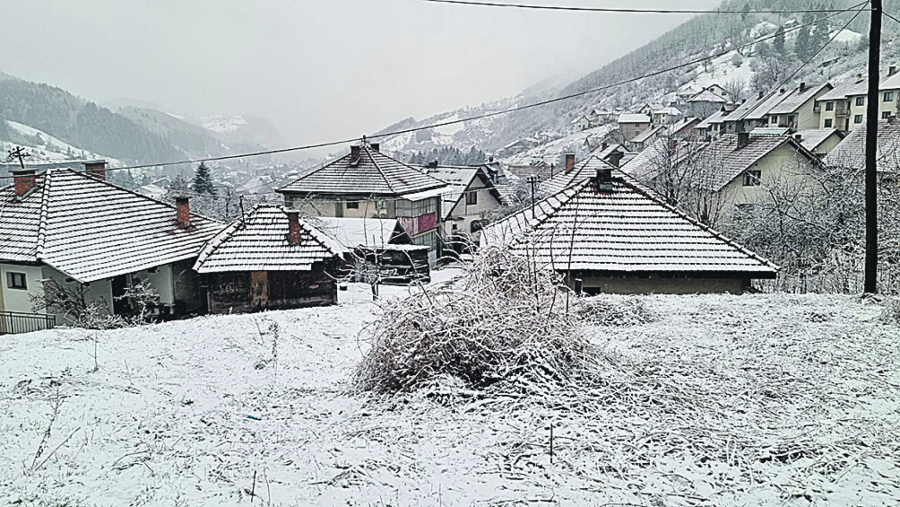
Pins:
x: 532, y: 179
x: 18, y: 153
x: 871, y: 269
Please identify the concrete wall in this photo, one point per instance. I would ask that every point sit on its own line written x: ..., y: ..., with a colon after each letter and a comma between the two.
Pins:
x: 634, y: 285
x: 17, y: 300
x: 632, y: 130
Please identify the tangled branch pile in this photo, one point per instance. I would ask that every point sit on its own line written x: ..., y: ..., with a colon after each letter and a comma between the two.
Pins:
x: 607, y: 311
x: 504, y: 320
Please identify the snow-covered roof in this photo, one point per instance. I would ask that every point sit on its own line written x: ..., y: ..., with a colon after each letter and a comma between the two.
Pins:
x: 374, y: 174
x: 687, y: 92
x: 851, y: 152
x: 90, y: 229
x: 706, y: 96
x: 847, y: 88
x: 623, y: 230
x: 671, y: 111
x: 259, y: 242
x: 648, y: 133
x: 891, y: 82
x: 796, y: 98
x: 812, y: 138
x: 731, y: 161
x: 713, y: 119
x: 634, y: 118
x: 582, y: 170
x: 352, y: 232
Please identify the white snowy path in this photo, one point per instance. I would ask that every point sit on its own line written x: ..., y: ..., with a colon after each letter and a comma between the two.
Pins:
x: 185, y: 413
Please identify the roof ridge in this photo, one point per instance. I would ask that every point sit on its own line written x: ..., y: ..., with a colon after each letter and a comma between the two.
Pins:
x: 222, y: 236
x: 42, y: 221
x: 380, y: 171
x: 325, y: 166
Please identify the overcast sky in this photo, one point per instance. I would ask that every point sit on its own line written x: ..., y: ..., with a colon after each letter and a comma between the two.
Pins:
x: 318, y: 69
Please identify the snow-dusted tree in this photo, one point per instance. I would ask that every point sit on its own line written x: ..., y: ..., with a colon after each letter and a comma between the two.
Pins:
x: 202, y: 182
x: 735, y: 88
x: 778, y: 42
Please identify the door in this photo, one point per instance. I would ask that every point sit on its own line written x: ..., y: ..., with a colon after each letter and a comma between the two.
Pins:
x: 119, y: 284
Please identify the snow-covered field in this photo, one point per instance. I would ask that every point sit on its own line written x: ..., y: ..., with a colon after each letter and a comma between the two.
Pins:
x: 188, y: 413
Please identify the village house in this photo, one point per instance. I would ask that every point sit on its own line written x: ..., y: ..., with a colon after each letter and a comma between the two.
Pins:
x: 599, y: 117
x: 718, y: 90
x: 366, y: 183
x: 850, y: 153
x: 470, y: 197
x: 682, y: 96
x: 797, y: 108
x: 581, y: 123
x: 89, y: 235
x: 888, y: 100
x: 646, y: 137
x: 632, y: 124
x: 615, y: 154
x: 684, y: 128
x: 607, y: 234
x: 713, y: 125
x: 818, y: 141
x: 666, y: 116
x: 841, y: 104
x: 704, y: 103
x: 269, y: 259
x: 648, y: 108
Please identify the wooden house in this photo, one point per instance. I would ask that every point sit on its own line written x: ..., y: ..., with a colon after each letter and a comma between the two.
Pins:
x: 607, y: 234
x: 269, y: 259
x: 92, y: 236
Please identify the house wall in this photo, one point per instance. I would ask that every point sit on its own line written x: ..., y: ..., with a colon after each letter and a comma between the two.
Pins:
x: 827, y: 145
x: 784, y: 166
x: 469, y: 213
x: 97, y: 292
x: 17, y: 300
x: 246, y: 291
x: 632, y: 130
x: 635, y: 285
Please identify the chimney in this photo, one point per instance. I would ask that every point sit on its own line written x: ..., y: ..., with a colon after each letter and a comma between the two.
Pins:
x: 603, y: 145
x: 24, y: 180
x: 782, y: 90
x: 604, y: 180
x: 293, y: 227
x: 760, y: 95
x: 354, y: 155
x: 802, y: 87
x: 570, y: 162
x: 743, y: 139
x: 615, y: 157
x: 798, y: 137
x: 183, y: 211
x: 859, y: 78
x: 892, y: 70
x: 375, y: 146
x: 96, y: 168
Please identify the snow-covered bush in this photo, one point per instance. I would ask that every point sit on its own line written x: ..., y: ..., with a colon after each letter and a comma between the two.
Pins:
x: 504, y: 320
x: 614, y: 311
x: 891, y: 313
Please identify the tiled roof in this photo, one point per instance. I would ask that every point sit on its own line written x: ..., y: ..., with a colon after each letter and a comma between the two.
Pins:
x: 796, y: 98
x: 682, y: 124
x: 812, y: 138
x: 375, y: 174
x: 91, y: 230
x: 890, y: 82
x: 623, y: 230
x: 707, y: 96
x: 352, y: 232
x: 659, y: 154
x: 671, y: 111
x: 259, y: 242
x: 713, y: 119
x: 846, y: 89
x: 732, y: 161
x: 743, y: 110
x: 586, y: 169
x: 633, y: 118
x: 763, y: 106
x: 851, y: 152
x: 610, y: 148
x: 648, y: 133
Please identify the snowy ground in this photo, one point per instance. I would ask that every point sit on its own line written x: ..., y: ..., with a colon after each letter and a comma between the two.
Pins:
x: 187, y: 413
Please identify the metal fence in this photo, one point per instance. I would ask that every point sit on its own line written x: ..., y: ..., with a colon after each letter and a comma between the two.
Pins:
x: 18, y: 322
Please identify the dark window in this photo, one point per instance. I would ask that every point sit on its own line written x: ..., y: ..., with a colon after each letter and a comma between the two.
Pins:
x: 773, y: 119
x: 751, y: 178
x: 829, y: 106
x: 828, y: 124
x: 352, y: 205
x: 888, y: 96
x: 471, y: 198
x: 860, y: 101
x: 16, y: 281
x: 885, y: 115
x: 857, y: 118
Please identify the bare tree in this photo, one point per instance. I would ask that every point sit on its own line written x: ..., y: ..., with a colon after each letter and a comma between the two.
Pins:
x: 735, y: 88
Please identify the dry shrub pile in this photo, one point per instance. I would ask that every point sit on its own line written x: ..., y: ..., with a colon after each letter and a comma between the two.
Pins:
x: 504, y: 320
x: 614, y: 311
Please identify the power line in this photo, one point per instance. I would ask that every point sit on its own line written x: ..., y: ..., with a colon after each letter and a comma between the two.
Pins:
x: 491, y: 114
x: 621, y: 10
x: 892, y: 17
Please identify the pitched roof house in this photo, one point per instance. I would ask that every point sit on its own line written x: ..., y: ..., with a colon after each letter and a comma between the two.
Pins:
x: 270, y: 259
x: 77, y: 228
x: 470, y: 195
x: 632, y: 124
x: 366, y: 183
x: 615, y: 236
x: 851, y: 152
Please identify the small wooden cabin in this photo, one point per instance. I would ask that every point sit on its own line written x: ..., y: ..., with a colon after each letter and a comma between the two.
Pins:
x: 269, y: 259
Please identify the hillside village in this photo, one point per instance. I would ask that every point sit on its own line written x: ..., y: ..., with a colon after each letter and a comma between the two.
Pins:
x: 655, y: 296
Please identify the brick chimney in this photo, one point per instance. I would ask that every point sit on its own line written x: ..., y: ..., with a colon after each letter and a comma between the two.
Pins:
x: 570, y: 162
x: 183, y: 211
x: 24, y: 180
x: 354, y: 155
x: 604, y: 180
x: 96, y: 168
x: 743, y: 139
x: 293, y: 227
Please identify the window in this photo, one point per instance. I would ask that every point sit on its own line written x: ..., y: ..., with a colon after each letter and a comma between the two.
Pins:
x: 751, y: 178
x: 888, y: 96
x: 885, y: 115
x: 828, y: 124
x: 860, y: 101
x: 857, y: 118
x: 829, y: 106
x: 352, y: 204
x: 773, y: 119
x: 16, y: 281
x: 471, y: 198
